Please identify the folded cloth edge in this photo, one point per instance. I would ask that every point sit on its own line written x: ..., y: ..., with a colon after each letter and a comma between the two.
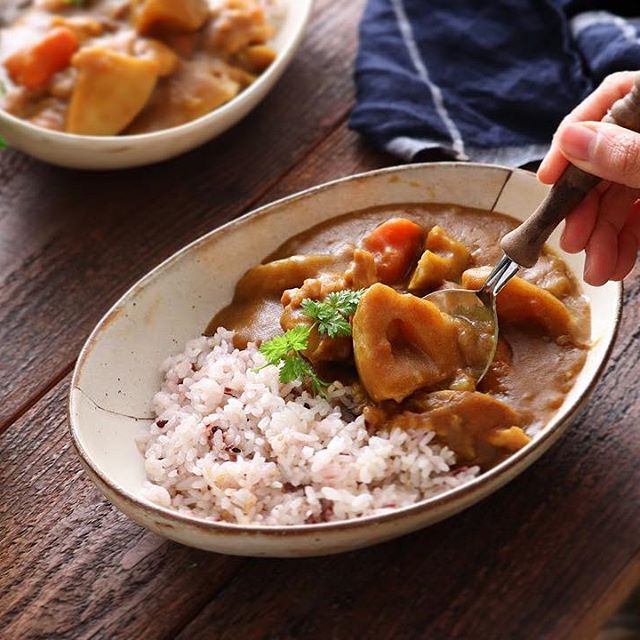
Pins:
x: 408, y: 148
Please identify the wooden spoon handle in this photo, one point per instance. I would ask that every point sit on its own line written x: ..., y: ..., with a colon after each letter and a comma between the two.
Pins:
x: 525, y: 243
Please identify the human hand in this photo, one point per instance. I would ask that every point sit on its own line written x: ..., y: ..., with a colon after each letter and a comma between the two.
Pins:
x: 606, y: 224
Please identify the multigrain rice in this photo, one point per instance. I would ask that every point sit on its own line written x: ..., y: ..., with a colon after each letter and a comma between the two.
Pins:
x: 232, y: 443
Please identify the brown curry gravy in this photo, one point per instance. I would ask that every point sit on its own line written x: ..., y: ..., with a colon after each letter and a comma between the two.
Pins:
x: 532, y: 372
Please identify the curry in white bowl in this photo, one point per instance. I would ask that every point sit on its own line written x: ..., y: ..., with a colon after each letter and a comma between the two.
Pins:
x: 392, y: 482
x: 119, y: 67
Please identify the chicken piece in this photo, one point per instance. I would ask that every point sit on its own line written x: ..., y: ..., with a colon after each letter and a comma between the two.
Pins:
x: 444, y: 259
x: 402, y: 343
x: 256, y: 58
x: 521, y: 302
x: 235, y: 25
x: 49, y: 114
x: 62, y: 84
x: 152, y: 49
x: 321, y: 348
x: 111, y: 89
x: 359, y: 275
x: 158, y: 16
x: 362, y: 271
x: 479, y: 428
x: 197, y: 87
x: 83, y: 26
x: 313, y: 288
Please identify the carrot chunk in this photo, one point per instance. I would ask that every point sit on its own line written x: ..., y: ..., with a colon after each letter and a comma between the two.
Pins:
x: 33, y: 67
x: 395, y: 245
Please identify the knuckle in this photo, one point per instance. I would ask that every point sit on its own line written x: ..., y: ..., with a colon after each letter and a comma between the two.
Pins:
x: 630, y: 159
x: 622, y: 154
x: 614, y: 79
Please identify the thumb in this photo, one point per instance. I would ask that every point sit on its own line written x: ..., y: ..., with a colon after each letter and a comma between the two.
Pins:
x: 602, y: 149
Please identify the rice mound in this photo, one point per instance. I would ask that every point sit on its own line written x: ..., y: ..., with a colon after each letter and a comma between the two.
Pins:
x: 231, y: 443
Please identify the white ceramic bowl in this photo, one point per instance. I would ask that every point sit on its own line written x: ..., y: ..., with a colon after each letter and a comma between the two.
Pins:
x: 120, y: 152
x: 117, y: 372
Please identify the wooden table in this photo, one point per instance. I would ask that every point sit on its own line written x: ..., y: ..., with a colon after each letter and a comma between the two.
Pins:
x: 549, y: 556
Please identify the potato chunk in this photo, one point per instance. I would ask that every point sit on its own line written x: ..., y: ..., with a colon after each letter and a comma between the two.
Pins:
x: 521, y: 302
x: 444, y: 259
x: 257, y: 57
x: 152, y: 16
x: 402, y: 343
x: 111, y: 89
x: 480, y: 428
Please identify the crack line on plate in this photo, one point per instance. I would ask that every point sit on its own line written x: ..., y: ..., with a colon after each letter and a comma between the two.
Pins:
x: 111, y: 411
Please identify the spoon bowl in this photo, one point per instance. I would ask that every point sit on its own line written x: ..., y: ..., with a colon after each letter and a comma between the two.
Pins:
x: 475, y: 315
x: 475, y: 312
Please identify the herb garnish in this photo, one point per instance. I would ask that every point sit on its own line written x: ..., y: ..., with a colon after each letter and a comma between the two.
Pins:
x: 284, y: 352
x: 332, y: 314
x: 331, y: 317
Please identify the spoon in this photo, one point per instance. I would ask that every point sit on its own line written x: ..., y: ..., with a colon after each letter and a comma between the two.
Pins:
x: 522, y: 247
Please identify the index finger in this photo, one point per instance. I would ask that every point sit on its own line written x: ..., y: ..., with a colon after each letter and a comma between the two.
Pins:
x: 593, y: 107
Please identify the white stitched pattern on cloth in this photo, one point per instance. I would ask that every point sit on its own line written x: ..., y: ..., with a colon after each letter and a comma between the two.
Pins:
x: 412, y: 47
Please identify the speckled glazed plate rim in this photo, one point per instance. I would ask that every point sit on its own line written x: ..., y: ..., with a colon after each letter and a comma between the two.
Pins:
x: 508, y: 469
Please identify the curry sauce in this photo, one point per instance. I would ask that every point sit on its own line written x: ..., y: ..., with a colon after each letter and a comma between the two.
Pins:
x: 405, y: 354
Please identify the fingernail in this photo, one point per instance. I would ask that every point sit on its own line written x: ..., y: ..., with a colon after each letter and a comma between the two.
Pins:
x: 577, y: 141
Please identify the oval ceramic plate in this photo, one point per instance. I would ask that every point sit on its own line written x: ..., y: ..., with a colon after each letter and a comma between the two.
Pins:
x: 117, y: 372
x: 120, y: 152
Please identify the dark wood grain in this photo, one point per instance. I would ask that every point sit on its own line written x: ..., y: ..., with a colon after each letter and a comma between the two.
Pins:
x: 72, y: 242
x: 72, y: 566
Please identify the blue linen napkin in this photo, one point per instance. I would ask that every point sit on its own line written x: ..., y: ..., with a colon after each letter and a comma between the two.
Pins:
x: 484, y: 81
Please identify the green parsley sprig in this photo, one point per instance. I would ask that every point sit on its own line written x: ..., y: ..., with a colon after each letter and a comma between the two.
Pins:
x: 332, y: 314
x: 331, y: 317
x: 284, y: 352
